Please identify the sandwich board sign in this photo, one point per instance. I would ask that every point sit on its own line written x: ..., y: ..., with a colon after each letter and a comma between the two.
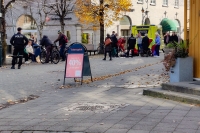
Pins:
x: 77, y: 62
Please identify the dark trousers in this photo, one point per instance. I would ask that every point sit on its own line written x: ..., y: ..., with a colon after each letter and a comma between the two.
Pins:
x: 132, y: 52
x: 17, y: 51
x: 157, y: 50
x: 48, y: 48
x: 117, y: 51
x: 27, y: 56
x: 62, y: 49
x: 105, y: 53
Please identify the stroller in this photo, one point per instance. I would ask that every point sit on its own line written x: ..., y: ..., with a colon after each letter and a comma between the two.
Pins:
x: 149, y: 51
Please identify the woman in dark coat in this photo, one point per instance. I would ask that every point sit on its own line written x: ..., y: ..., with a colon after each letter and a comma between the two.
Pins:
x: 108, y: 47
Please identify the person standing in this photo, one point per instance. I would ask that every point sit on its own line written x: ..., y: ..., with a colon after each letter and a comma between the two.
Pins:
x: 19, y: 41
x: 131, y: 45
x: 62, y: 44
x: 114, y: 43
x: 166, y: 38
x: 108, y: 47
x: 157, y: 41
x: 48, y: 45
x: 145, y: 43
x: 174, y: 38
x: 139, y: 42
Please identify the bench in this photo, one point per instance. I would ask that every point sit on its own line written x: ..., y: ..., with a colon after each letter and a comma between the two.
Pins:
x: 90, y: 48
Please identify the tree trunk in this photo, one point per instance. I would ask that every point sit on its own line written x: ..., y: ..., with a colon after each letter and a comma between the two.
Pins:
x: 101, y: 33
x: 3, y: 35
x: 62, y: 23
x: 101, y: 20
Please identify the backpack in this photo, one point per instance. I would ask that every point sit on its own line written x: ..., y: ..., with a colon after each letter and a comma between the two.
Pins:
x: 65, y: 39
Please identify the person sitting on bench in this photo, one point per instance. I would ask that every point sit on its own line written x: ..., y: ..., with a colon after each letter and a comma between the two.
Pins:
x: 28, y: 52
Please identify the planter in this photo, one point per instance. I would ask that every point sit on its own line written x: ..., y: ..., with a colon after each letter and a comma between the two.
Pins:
x: 182, y: 71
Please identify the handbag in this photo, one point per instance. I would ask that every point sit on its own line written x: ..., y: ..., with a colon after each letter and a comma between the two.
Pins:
x: 108, y: 41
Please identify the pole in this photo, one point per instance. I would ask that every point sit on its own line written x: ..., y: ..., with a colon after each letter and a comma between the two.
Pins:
x: 185, y: 19
x: 0, y: 36
x: 142, y: 18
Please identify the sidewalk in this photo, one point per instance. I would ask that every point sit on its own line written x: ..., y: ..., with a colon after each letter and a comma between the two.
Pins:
x: 113, y: 105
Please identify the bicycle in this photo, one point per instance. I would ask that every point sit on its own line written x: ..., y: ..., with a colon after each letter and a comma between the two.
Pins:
x: 54, y: 55
x: 100, y: 49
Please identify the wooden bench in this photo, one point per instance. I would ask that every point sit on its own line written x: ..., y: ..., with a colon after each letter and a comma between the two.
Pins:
x: 90, y: 48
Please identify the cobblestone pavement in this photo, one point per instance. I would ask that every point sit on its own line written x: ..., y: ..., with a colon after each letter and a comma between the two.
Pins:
x: 113, y: 105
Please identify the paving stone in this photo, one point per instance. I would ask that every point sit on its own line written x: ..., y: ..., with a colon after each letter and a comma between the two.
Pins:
x: 39, y: 131
x: 168, y: 129
x: 137, y: 131
x: 116, y: 130
x: 143, y: 127
x: 77, y: 129
x: 185, y: 130
x: 27, y: 132
x: 122, y: 126
x: 5, y: 131
x: 57, y: 128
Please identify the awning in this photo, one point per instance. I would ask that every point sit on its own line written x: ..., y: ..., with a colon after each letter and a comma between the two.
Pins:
x: 168, y: 25
x: 176, y: 23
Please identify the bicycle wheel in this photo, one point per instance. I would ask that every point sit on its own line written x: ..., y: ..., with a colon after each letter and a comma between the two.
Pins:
x: 55, y: 57
x: 99, y: 50
x: 43, y: 55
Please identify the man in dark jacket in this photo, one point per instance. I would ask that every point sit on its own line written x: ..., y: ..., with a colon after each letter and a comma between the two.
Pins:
x: 62, y: 44
x: 131, y: 45
x: 145, y: 43
x: 48, y: 45
x: 114, y: 42
x: 19, y: 41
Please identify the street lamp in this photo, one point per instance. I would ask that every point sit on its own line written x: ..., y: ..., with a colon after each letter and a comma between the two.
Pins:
x: 142, y: 15
x: 176, y: 15
x: 165, y: 13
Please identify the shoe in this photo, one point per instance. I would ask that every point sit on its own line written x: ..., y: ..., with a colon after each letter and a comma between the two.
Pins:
x: 19, y: 67
x: 110, y: 59
x: 13, y: 67
x: 104, y: 59
x: 163, y: 50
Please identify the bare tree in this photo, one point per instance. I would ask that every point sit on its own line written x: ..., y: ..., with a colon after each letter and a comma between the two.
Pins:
x: 61, y: 8
x: 5, y: 4
x: 40, y: 12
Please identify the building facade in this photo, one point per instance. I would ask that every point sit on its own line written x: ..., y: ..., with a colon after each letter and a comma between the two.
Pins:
x: 150, y: 12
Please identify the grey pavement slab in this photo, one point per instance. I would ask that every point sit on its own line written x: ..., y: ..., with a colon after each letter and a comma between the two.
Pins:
x: 113, y: 105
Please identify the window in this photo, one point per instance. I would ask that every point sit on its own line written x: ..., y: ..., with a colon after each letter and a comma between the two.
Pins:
x: 165, y: 2
x: 140, y: 1
x: 153, y: 2
x: 176, y: 3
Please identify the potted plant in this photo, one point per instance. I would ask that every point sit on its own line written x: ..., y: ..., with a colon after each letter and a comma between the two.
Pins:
x: 169, y: 48
x: 179, y: 63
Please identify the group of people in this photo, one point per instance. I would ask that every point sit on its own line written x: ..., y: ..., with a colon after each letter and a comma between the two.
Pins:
x: 29, y: 49
x: 23, y: 47
x: 113, y: 44
x: 173, y: 38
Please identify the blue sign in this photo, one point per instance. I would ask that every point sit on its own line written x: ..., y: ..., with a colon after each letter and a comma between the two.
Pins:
x: 76, y: 48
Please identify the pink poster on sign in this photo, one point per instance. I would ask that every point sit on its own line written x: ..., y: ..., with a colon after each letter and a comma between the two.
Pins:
x: 74, y: 66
